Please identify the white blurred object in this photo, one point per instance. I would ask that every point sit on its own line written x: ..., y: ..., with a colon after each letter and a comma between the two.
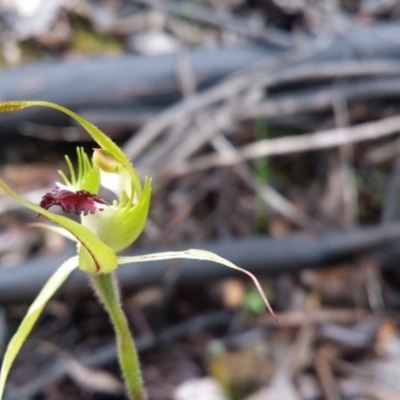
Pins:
x: 25, y: 8
x: 199, y: 389
x: 154, y: 41
x: 28, y: 18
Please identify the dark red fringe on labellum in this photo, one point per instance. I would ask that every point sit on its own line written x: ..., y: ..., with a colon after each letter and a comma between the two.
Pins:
x: 72, y: 202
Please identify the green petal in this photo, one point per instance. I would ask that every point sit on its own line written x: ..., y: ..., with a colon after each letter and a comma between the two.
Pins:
x: 88, y: 176
x: 102, y: 140
x: 197, y: 255
x: 55, y: 281
x: 95, y: 256
x: 120, y: 225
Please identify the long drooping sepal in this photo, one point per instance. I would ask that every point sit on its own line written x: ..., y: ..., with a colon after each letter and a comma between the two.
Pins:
x: 102, y: 140
x: 197, y: 255
x: 95, y: 256
x: 55, y: 281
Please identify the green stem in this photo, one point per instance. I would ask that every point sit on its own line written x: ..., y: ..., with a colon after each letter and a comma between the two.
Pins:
x: 106, y: 288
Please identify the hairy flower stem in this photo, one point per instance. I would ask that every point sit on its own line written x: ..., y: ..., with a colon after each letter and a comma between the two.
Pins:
x: 106, y: 288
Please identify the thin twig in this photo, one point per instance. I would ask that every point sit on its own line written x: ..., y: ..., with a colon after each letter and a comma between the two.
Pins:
x: 268, y: 194
x: 320, y: 98
x: 290, y: 144
x: 298, y: 318
x: 346, y: 158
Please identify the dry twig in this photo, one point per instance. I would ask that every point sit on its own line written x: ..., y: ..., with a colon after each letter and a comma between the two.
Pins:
x: 291, y: 144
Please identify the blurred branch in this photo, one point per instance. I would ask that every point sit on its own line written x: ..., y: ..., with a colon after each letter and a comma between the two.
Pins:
x: 132, y: 88
x: 241, y: 26
x: 319, y: 98
x: 260, y: 255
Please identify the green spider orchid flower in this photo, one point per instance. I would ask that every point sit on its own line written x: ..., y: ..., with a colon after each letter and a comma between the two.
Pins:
x: 104, y: 230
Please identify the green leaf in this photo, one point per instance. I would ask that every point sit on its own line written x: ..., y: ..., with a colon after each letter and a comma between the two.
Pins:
x: 197, y: 255
x: 55, y: 281
x: 98, y: 257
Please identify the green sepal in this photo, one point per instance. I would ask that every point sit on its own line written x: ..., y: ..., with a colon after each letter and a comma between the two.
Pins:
x: 196, y: 254
x: 34, y: 311
x: 119, y: 225
x: 98, y: 257
x: 98, y: 136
